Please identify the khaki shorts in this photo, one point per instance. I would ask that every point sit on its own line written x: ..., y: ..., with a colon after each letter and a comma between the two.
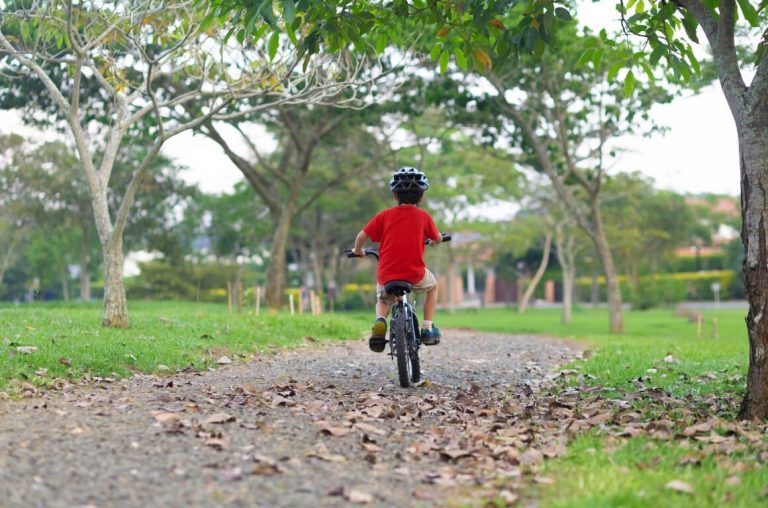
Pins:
x: 426, y: 284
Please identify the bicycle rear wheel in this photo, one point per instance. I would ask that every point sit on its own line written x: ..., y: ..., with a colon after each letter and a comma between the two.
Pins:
x: 414, y: 349
x: 399, y: 336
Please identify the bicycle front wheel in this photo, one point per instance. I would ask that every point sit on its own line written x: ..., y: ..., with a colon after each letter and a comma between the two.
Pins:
x: 399, y: 332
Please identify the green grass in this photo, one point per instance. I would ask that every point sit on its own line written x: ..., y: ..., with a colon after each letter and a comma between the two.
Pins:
x: 162, y: 333
x: 617, y: 360
x: 633, y: 473
x: 601, y: 472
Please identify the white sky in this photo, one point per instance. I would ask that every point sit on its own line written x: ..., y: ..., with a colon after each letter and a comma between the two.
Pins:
x: 699, y: 153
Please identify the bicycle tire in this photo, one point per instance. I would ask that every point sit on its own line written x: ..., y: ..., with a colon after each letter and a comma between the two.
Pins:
x: 415, y: 362
x: 399, y: 330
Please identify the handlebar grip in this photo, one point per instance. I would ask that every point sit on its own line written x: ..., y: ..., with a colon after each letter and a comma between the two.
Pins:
x: 446, y: 237
x: 350, y: 254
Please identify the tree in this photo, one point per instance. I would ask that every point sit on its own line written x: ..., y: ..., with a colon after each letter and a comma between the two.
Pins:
x: 118, y: 70
x: 289, y: 181
x: 559, y: 117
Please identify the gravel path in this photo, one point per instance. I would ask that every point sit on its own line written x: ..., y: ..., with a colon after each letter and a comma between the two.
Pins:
x: 323, y: 425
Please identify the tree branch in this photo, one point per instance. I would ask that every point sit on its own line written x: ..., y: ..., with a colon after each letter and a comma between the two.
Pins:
x: 260, y: 184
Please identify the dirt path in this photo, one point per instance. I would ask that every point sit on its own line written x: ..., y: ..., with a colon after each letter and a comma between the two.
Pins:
x: 318, y: 426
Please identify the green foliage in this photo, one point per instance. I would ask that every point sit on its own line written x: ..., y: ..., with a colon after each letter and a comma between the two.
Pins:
x: 479, y: 35
x: 662, y: 289
x: 207, y: 282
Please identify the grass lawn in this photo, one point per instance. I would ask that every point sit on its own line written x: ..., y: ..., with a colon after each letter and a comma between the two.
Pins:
x: 71, y: 343
x: 601, y: 471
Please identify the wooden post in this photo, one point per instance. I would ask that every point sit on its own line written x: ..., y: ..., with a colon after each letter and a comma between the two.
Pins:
x: 698, y: 326
x: 239, y: 296
x: 715, y: 330
x: 257, y: 289
x: 301, y: 301
x: 312, y: 302
x: 229, y: 297
x: 290, y: 303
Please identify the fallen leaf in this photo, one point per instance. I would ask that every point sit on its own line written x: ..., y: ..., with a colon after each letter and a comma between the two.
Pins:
x: 426, y: 494
x: 327, y: 457
x: 65, y: 361
x: 454, y: 454
x: 329, y: 430
x: 531, y: 457
x: 26, y: 350
x: 733, y: 481
x: 696, y: 429
x: 218, y: 418
x: 165, y: 417
x: 264, y: 469
x: 358, y: 496
x: 232, y: 475
x: 679, y: 486
x: 365, y: 427
x: 223, y: 360
x: 217, y: 444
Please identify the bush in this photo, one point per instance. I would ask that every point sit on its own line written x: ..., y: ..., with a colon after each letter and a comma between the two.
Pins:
x: 159, y: 280
x: 653, y: 290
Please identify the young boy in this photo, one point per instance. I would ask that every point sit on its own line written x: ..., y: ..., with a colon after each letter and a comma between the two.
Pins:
x: 401, y: 232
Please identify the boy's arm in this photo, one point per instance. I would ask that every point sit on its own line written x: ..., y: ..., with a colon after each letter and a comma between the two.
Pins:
x: 359, y: 242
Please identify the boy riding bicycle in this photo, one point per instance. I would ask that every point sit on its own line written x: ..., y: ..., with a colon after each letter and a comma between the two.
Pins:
x: 401, y: 232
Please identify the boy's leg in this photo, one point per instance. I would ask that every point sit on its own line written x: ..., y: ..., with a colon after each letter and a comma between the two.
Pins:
x: 430, y: 334
x: 378, y: 338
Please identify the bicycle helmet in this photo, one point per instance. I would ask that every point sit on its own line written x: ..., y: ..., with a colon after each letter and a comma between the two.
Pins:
x: 408, y: 178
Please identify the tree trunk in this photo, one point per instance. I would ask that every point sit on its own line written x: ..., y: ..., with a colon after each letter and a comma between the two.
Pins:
x: 537, y: 276
x: 753, y: 151
x: 85, y: 274
x: 115, y: 312
x: 566, y: 258
x: 276, y: 270
x: 616, y: 313
x: 65, y: 283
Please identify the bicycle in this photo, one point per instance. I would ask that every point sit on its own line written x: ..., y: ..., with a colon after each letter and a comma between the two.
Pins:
x: 404, y: 331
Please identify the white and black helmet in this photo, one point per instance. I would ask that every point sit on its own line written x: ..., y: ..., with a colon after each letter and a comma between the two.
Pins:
x: 408, y: 178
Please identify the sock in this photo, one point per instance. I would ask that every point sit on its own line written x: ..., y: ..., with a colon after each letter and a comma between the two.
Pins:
x: 380, y: 317
x: 426, y: 325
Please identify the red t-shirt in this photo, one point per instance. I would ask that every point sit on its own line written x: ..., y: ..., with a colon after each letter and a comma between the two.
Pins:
x: 401, y: 232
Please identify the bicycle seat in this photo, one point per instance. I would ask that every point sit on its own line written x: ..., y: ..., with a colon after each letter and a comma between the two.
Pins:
x: 397, y: 287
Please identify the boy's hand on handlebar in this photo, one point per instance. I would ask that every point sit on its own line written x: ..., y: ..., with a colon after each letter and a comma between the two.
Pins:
x: 358, y: 252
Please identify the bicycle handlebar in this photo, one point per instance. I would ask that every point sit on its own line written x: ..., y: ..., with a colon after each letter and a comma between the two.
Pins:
x: 375, y: 253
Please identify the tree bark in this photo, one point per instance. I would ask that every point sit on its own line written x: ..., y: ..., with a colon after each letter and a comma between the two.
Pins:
x: 613, y: 290
x: 753, y: 151
x: 115, y: 311
x: 85, y: 258
x: 276, y: 270
x: 537, y: 276
x: 567, y: 259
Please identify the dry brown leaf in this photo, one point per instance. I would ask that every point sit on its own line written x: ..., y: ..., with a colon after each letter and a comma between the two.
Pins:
x: 327, y: 457
x: 531, y: 457
x: 366, y: 427
x: 733, y: 481
x: 358, y: 496
x: 166, y: 417
x: 454, y: 454
x: 264, y: 469
x: 218, y: 418
x: 679, y: 486
x: 217, y: 444
x: 698, y: 428
x: 426, y: 494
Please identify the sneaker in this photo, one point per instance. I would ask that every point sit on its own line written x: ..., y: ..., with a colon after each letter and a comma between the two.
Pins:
x: 378, y: 335
x: 430, y: 336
